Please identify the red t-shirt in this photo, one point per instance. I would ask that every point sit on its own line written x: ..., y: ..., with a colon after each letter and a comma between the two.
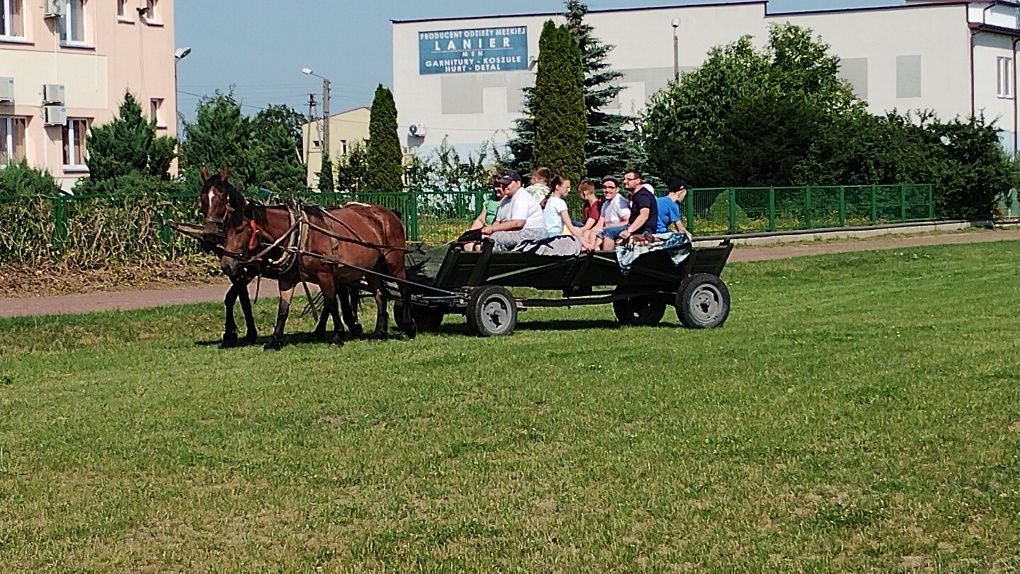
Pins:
x: 591, y: 211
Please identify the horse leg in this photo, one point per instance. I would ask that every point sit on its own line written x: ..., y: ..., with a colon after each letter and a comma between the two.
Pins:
x: 348, y: 295
x: 329, y: 306
x: 250, y: 334
x: 286, y: 292
x: 229, y: 326
x: 320, y: 327
x: 382, y: 317
x: 395, y: 264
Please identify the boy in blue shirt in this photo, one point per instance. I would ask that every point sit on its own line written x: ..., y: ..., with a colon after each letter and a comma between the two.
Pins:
x: 669, y: 208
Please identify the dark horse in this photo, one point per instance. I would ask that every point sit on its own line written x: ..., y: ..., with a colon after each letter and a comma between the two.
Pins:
x: 214, y: 213
x: 328, y: 248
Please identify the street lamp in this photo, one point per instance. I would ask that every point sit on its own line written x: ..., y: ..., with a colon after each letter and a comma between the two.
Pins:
x: 676, y: 51
x: 179, y: 54
x: 325, y: 109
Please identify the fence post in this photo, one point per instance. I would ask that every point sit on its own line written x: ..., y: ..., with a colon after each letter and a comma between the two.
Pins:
x: 411, y: 209
x: 59, y: 222
x: 732, y: 210
x: 874, y: 204
x: 903, y: 202
x: 807, y: 206
x: 772, y: 209
x: 931, y: 201
x: 842, y: 206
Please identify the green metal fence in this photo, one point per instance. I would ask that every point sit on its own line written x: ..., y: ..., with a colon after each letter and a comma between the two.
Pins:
x: 93, y: 230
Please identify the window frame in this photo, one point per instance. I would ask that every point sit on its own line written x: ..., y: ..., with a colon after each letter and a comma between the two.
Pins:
x: 123, y: 15
x: 1004, y: 77
x: 8, y: 145
x: 157, y: 113
x: 152, y: 13
x: 8, y: 16
x: 69, y: 8
x: 73, y: 144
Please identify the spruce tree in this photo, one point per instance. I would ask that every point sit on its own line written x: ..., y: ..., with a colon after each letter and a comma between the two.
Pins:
x: 608, y: 146
x: 385, y: 159
x: 559, y: 104
x: 220, y: 136
x: 275, y: 150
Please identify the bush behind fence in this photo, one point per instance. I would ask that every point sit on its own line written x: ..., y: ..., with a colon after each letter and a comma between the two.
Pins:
x: 100, y: 230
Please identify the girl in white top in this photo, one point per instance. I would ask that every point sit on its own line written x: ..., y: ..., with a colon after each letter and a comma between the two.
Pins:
x: 554, y: 209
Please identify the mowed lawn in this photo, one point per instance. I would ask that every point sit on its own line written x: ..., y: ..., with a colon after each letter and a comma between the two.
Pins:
x: 857, y: 412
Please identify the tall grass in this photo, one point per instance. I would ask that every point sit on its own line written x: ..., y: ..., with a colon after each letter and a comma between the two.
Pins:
x: 858, y: 412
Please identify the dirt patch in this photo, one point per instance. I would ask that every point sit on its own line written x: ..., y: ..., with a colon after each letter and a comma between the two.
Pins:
x: 51, y: 279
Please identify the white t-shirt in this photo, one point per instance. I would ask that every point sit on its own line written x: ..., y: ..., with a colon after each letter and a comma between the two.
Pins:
x: 616, y: 211
x: 521, y: 206
x: 553, y: 221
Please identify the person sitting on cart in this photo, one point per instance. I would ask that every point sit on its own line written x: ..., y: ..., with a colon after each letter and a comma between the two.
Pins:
x: 643, y: 209
x: 489, y: 206
x: 539, y: 185
x: 518, y: 218
x: 613, y: 217
x: 591, y: 205
x: 669, y: 208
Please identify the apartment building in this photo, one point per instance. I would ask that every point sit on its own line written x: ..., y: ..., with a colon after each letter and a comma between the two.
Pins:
x: 66, y: 64
x: 346, y: 129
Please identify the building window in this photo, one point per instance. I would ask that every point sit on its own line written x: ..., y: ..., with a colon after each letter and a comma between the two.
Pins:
x: 343, y: 147
x: 74, y: 142
x: 151, y: 14
x: 156, y: 112
x: 908, y: 76
x: 12, y: 23
x: 72, y: 23
x: 12, y: 139
x: 1004, y: 75
x: 122, y: 13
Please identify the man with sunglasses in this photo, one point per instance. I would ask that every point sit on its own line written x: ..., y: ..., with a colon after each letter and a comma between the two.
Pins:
x: 518, y: 218
x: 614, y: 217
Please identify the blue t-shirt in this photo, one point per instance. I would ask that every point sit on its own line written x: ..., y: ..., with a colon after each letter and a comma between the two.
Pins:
x: 669, y: 211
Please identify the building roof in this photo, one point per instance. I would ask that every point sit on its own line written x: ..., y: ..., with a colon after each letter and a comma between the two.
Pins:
x: 602, y: 11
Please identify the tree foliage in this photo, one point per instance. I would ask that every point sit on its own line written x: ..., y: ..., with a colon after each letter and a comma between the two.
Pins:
x: 127, y: 144
x: 20, y: 179
x: 274, y: 152
x: 385, y: 158
x: 559, y: 104
x: 326, y: 180
x: 782, y: 116
x: 220, y: 136
x: 352, y: 169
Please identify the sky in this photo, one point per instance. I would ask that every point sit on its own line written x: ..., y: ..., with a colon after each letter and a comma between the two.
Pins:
x: 257, y: 48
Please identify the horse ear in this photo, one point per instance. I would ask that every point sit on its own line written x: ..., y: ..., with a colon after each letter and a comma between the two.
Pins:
x: 224, y: 173
x: 203, y: 173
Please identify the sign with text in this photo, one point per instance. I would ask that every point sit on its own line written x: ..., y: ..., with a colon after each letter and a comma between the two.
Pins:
x: 475, y: 50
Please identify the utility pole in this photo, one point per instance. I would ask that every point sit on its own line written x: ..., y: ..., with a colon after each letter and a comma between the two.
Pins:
x: 325, y: 117
x: 308, y: 143
x: 676, y: 51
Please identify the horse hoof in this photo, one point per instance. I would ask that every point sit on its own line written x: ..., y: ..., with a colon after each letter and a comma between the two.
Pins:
x: 251, y: 337
x: 377, y: 336
x: 229, y: 340
x: 337, y: 340
x: 411, y: 330
x: 356, y: 330
x: 319, y: 334
x: 273, y: 345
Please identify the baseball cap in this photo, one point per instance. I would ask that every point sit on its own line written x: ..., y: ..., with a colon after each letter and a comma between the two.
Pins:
x: 508, y: 176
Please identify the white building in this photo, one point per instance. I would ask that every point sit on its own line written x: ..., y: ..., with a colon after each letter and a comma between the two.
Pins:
x: 461, y: 78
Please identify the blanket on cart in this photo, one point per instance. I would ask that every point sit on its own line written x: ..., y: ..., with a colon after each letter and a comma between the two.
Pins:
x: 678, y: 244
x: 560, y: 245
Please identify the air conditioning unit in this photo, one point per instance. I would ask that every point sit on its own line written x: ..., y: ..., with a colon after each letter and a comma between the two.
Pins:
x: 54, y: 115
x: 416, y: 130
x: 6, y: 90
x: 54, y: 8
x: 53, y: 93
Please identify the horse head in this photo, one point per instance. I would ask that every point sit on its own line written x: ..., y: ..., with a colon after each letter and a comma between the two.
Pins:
x: 218, y: 199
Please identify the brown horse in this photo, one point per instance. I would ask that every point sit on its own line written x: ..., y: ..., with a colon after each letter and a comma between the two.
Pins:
x: 214, y: 214
x: 326, y: 248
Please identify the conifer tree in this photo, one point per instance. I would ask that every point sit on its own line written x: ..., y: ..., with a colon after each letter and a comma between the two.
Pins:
x: 128, y: 144
x: 275, y: 150
x: 219, y: 136
x: 385, y: 159
x: 559, y: 104
x: 326, y: 174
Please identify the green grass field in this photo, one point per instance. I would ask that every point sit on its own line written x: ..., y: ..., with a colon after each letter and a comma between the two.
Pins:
x: 857, y: 412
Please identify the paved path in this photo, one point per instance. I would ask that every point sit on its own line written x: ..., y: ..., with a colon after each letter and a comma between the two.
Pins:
x: 123, y: 300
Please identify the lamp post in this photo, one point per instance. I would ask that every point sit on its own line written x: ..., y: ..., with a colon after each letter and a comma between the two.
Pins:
x: 676, y: 51
x: 325, y: 109
x: 179, y: 54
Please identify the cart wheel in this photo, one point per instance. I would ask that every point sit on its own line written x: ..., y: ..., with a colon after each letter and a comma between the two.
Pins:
x: 491, y: 311
x: 703, y: 302
x: 643, y: 311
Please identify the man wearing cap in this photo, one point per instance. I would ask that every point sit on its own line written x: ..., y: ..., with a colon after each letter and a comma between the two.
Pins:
x: 518, y: 218
x: 644, y: 210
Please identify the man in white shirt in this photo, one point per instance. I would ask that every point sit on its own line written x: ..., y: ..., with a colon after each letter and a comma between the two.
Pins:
x: 518, y: 218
